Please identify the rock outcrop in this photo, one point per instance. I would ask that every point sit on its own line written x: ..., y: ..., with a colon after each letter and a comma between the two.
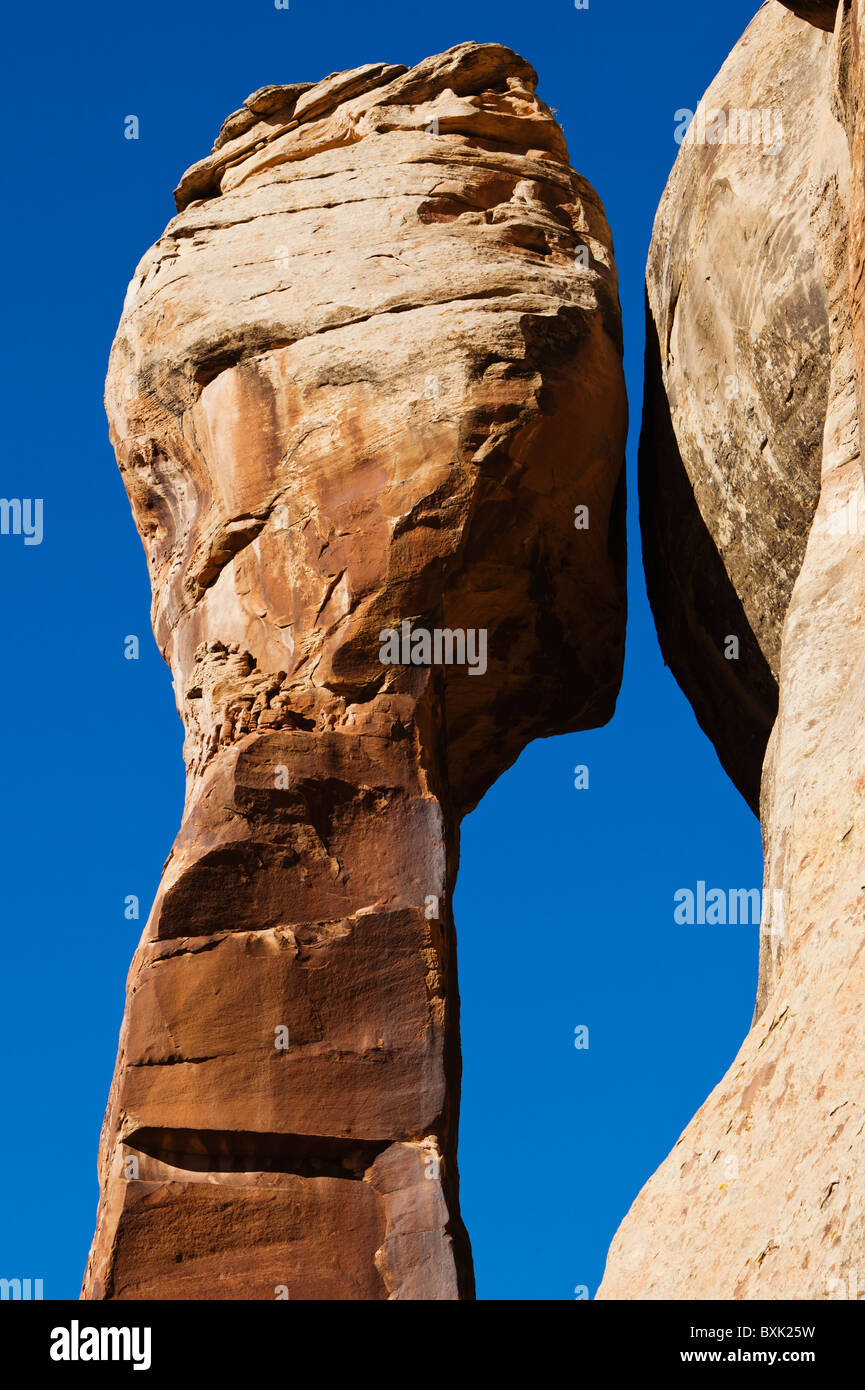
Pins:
x: 753, y: 508
x: 360, y: 387
x: 819, y: 12
x: 850, y: 51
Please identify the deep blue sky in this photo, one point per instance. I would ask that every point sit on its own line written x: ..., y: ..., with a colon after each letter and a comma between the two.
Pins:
x: 565, y: 897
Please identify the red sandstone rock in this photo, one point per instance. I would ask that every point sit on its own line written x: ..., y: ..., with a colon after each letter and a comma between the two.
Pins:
x: 363, y: 379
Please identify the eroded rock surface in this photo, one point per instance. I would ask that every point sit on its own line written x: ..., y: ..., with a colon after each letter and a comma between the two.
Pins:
x: 737, y: 374
x: 363, y: 380
x: 850, y: 51
x: 750, y: 278
x: 819, y: 12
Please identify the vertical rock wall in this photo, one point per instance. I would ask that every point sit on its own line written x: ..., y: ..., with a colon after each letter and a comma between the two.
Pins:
x: 755, y: 284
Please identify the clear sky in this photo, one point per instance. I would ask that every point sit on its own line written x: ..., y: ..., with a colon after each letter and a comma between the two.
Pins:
x: 564, y: 906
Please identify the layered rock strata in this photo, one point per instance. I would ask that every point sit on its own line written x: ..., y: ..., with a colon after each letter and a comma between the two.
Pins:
x: 362, y: 389
x: 753, y: 508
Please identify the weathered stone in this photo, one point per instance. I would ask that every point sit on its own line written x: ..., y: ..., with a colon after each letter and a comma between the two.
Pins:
x: 819, y: 12
x: 850, y: 51
x: 363, y: 379
x: 736, y: 383
x: 749, y: 272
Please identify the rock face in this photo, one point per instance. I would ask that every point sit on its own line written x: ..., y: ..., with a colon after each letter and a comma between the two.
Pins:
x: 737, y: 381
x: 819, y: 12
x: 751, y: 277
x: 360, y: 386
x: 850, y: 49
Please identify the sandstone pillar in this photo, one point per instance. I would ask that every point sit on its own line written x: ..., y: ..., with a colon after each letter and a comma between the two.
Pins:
x: 369, y: 377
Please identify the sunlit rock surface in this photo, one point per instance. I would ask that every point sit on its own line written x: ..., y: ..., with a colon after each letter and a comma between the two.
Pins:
x: 753, y: 510
x: 364, y: 379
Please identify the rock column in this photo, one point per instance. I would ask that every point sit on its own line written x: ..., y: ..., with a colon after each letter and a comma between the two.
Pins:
x: 367, y: 399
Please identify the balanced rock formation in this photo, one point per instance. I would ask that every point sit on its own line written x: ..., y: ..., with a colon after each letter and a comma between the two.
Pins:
x: 368, y: 403
x: 753, y: 508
